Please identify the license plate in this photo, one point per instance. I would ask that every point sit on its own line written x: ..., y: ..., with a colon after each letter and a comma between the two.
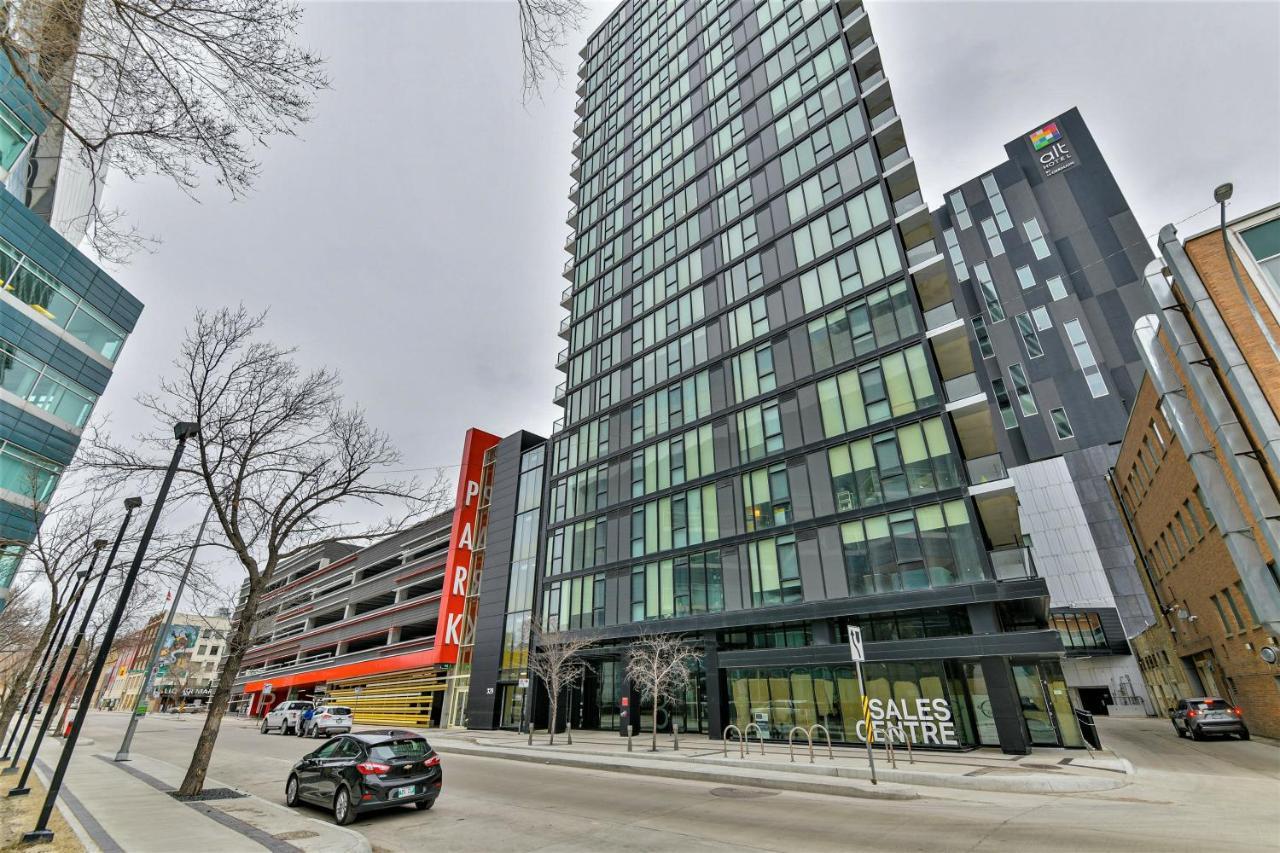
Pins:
x: 402, y: 791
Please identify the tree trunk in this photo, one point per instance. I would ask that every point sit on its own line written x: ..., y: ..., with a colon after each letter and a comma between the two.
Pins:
x: 653, y: 747
x: 20, y: 678
x: 551, y: 722
x: 237, y: 645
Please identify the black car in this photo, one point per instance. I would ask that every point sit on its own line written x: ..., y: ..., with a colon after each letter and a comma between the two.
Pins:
x: 364, y: 771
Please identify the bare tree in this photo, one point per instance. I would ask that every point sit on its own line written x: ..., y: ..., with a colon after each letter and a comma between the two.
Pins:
x: 278, y: 452
x: 556, y: 659
x: 160, y: 88
x: 21, y: 622
x: 660, y: 666
x: 545, y: 26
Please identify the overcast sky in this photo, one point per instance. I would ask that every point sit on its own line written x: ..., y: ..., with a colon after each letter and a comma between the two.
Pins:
x: 413, y: 235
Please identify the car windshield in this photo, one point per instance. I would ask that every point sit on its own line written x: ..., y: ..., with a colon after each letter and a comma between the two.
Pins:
x: 398, y: 750
x: 336, y: 711
x: 1210, y: 705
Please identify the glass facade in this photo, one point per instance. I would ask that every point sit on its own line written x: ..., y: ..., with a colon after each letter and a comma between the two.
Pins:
x: 753, y: 417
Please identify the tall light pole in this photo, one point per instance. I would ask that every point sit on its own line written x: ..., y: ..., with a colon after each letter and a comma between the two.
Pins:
x: 123, y: 753
x: 41, y: 677
x: 182, y: 431
x: 22, y: 790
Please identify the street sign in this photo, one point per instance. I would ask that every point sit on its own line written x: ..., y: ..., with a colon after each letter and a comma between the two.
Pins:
x: 522, y: 683
x: 855, y: 644
x: 266, y: 688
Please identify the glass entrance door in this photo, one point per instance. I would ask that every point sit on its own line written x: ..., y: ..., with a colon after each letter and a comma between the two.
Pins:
x: 1046, y: 704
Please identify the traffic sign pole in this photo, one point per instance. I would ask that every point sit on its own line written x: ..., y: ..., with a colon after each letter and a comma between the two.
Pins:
x: 858, y: 654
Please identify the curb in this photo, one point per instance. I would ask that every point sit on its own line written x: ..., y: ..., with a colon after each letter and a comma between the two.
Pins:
x: 832, y: 776
x: 735, y: 776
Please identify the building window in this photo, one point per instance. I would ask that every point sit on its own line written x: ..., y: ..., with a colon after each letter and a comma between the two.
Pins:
x: 989, y: 293
x: 766, y: 496
x: 775, y: 571
x: 1002, y: 402
x: 1057, y: 289
x: 961, y: 210
x: 1061, y: 423
x: 1248, y: 603
x: 997, y: 202
x: 759, y: 431
x: 984, y: 339
x: 957, y: 257
x: 1030, y: 339
x: 910, y: 461
x: 753, y: 373
x: 994, y: 243
x: 1222, y: 614
x: 1042, y: 318
x: 1084, y: 355
x: 29, y: 379
x: 1204, y: 507
x: 1026, y: 278
x: 1079, y: 630
x: 14, y: 136
x: 897, y: 384
x: 930, y: 546
x: 1235, y: 611
x: 857, y: 328
x: 1264, y: 244
x: 1023, y: 390
x: 1036, y: 238
x: 682, y: 586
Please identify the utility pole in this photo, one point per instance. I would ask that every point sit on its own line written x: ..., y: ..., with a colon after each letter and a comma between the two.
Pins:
x: 123, y: 753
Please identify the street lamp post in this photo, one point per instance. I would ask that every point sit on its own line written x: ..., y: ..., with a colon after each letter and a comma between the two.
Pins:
x: 41, y: 677
x: 22, y: 790
x: 123, y: 753
x: 182, y: 431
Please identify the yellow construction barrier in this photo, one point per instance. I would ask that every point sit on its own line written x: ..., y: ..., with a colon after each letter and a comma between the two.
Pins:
x: 397, y: 699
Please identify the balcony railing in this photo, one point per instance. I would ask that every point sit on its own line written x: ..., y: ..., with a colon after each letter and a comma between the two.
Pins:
x: 853, y: 17
x: 883, y: 117
x: 985, y: 469
x: 862, y: 46
x: 557, y: 426
x: 940, y: 315
x: 896, y: 158
x: 962, y: 387
x: 873, y: 81
x: 562, y: 357
x: 566, y: 294
x: 564, y: 324
x: 568, y: 266
x: 1012, y: 563
x: 908, y: 203
x: 923, y: 252
x: 559, y: 394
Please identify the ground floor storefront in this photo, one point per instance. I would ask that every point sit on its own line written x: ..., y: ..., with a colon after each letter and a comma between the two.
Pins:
x: 1011, y: 703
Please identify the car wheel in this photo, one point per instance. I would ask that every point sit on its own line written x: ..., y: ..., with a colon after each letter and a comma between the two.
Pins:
x: 424, y: 805
x: 263, y: 728
x: 1196, y: 734
x: 291, y: 791
x: 343, y: 813
x: 1179, y: 732
x: 1244, y: 734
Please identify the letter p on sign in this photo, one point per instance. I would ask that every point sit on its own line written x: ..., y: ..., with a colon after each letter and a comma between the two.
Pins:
x: 855, y: 643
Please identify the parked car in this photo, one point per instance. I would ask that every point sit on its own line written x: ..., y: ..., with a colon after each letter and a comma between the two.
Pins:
x: 366, y: 771
x: 1208, y: 715
x: 285, y: 716
x: 327, y: 720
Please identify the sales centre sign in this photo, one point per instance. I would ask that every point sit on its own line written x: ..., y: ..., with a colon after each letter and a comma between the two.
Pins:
x: 462, y: 538
x: 922, y: 721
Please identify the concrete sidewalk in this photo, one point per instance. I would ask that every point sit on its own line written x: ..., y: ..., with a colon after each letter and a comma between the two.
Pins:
x: 846, y: 774
x: 126, y: 806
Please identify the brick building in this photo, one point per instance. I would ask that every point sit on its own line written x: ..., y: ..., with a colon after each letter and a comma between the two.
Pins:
x: 1197, y: 473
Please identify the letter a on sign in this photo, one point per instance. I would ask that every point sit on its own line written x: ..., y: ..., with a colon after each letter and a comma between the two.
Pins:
x: 855, y: 643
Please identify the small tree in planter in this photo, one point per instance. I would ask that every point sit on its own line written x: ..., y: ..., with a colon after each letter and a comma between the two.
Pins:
x: 661, y: 668
x: 556, y: 658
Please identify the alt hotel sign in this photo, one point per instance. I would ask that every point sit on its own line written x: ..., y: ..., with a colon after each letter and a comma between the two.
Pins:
x: 1052, y: 149
x: 457, y: 572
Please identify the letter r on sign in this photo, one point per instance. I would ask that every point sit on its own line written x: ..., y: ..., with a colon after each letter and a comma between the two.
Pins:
x: 460, y: 580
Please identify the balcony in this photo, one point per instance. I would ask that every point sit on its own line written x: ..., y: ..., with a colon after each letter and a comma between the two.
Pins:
x: 557, y: 426
x: 962, y: 387
x: 562, y: 357
x: 940, y: 316
x: 908, y: 203
x: 919, y: 255
x: 862, y: 49
x: 569, y: 240
x: 986, y: 469
x: 568, y: 269
x: 1013, y: 563
x: 573, y: 215
x: 566, y: 296
x: 884, y: 118
x: 559, y: 393
x: 895, y: 159
x: 564, y: 326
x: 874, y: 79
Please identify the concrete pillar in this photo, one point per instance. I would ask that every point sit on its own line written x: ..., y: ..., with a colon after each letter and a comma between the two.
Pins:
x: 1006, y: 706
x: 717, y: 696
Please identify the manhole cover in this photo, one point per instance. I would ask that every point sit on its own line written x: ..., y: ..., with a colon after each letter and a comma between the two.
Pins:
x: 741, y: 793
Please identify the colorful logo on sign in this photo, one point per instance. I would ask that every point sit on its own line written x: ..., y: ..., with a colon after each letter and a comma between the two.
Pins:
x: 1045, y: 136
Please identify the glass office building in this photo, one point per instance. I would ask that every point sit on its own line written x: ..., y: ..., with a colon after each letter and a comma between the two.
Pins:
x: 761, y: 444
x: 63, y: 322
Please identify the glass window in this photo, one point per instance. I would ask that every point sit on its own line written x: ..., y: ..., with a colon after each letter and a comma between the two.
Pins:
x: 767, y: 497
x: 957, y: 257
x: 961, y: 210
x: 26, y: 474
x: 1022, y: 389
x: 1042, y: 318
x: 989, y: 293
x: 1003, y: 403
x: 992, y: 233
x: 1057, y: 289
x: 1084, y: 356
x: 983, y: 338
x: 1264, y: 244
x: 1036, y: 238
x: 1026, y: 278
x: 14, y: 136
x: 997, y: 202
x: 1030, y: 339
x: 775, y: 571
x: 1060, y: 423
x: 759, y: 431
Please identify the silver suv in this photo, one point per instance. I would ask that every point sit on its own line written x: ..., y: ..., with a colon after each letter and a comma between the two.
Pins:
x: 1208, y: 715
x: 326, y: 720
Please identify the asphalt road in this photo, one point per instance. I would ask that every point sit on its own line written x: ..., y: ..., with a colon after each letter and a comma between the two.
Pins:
x: 1214, y: 795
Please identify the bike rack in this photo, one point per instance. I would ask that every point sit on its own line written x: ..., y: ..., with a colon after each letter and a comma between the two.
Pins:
x: 725, y: 743
x: 746, y: 733
x: 830, y: 753
x: 791, y: 745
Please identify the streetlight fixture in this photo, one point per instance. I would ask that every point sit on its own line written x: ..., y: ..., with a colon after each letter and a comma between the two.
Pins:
x: 22, y: 790
x: 47, y: 673
x: 41, y: 680
x: 182, y: 431
x: 154, y: 660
